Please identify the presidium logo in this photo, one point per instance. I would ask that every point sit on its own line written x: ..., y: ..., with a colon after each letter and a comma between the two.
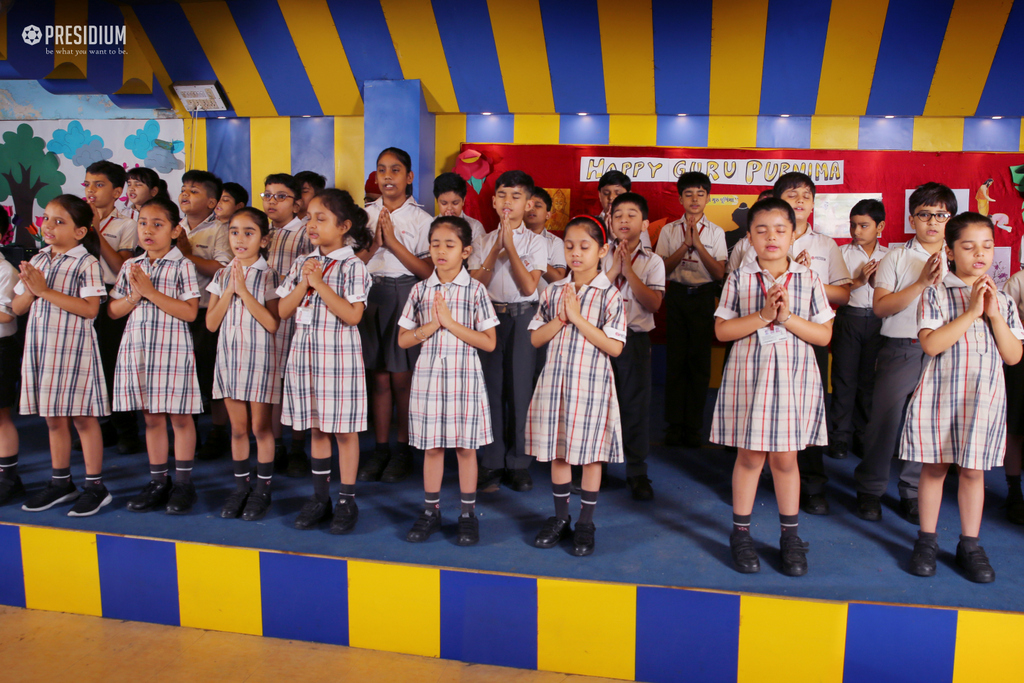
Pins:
x: 77, y: 39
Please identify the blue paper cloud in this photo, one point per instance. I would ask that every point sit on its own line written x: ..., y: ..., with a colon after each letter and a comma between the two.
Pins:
x: 68, y: 142
x: 143, y: 140
x: 91, y: 152
x: 163, y: 161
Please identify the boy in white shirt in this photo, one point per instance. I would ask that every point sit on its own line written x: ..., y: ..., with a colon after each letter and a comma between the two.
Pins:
x: 450, y: 192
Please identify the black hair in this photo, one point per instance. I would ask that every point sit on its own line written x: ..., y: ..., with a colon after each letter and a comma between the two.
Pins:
x: 932, y: 194
x: 540, y: 192
x: 766, y: 194
x: 450, y: 182
x: 692, y: 179
x: 115, y: 173
x: 285, y: 179
x: 344, y: 208
x: 594, y: 226
x: 772, y: 204
x: 237, y: 193
x: 631, y: 198
x: 957, y: 224
x: 311, y: 178
x: 462, y: 229
x: 5, y: 223
x: 403, y: 158
x: 211, y: 183
x: 515, y: 179
x: 793, y: 180
x: 261, y: 220
x: 615, y: 178
x: 147, y: 177
x: 871, y: 208
x: 81, y: 215
x: 164, y: 202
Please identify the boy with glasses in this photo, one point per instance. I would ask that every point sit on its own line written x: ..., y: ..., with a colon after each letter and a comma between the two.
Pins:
x: 902, y: 276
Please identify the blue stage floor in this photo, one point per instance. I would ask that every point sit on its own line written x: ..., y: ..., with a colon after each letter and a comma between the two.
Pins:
x: 679, y: 539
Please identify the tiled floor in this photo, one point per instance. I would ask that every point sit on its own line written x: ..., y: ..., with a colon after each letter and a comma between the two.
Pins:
x: 43, y: 646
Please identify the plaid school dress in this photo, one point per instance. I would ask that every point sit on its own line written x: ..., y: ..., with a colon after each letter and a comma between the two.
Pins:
x: 156, y: 366
x: 574, y: 413
x: 771, y: 398
x: 448, y: 405
x: 61, y: 373
x: 325, y: 379
x: 247, y: 357
x: 286, y: 244
x: 958, y: 411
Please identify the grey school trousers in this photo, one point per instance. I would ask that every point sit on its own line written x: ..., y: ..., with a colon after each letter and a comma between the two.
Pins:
x: 897, y: 372
x: 508, y: 373
x: 633, y: 388
x: 856, y: 340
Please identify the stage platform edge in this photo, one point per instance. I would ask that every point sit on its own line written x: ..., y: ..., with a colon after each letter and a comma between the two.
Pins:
x: 614, y: 630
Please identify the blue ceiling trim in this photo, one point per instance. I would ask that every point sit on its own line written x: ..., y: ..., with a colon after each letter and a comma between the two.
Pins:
x: 794, y: 47
x: 367, y: 41
x: 572, y: 34
x: 682, y: 58
x: 1003, y: 94
x: 469, y: 49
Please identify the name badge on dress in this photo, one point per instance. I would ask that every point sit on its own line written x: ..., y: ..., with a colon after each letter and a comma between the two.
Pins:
x: 773, y: 334
x: 304, y: 316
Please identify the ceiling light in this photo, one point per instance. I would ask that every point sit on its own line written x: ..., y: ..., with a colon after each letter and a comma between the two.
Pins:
x: 680, y: 114
x: 785, y: 116
x: 486, y: 113
x: 221, y: 117
x: 890, y: 117
x: 582, y: 113
x: 996, y: 118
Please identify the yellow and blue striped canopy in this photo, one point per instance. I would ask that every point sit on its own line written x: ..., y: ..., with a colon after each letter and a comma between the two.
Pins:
x: 701, y: 57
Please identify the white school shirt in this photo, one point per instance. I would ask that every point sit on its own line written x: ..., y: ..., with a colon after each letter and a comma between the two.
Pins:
x: 77, y: 252
x: 120, y: 233
x: 897, y: 270
x: 533, y: 252
x: 8, y: 279
x: 476, y: 227
x: 826, y: 258
x: 209, y: 241
x: 856, y: 258
x: 556, y: 256
x: 691, y: 270
x: 1014, y: 288
x: 128, y: 212
x: 412, y: 227
x: 650, y: 268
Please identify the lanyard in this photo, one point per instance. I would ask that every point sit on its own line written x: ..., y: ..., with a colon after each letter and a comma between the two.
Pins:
x: 309, y: 293
x: 785, y: 285
x: 693, y: 247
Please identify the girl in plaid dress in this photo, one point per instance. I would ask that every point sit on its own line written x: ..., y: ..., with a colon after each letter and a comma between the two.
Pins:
x: 771, y: 403
x: 574, y: 415
x: 325, y: 380
x: 243, y: 306
x: 451, y: 314
x: 156, y: 366
x: 61, y: 374
x: 957, y: 415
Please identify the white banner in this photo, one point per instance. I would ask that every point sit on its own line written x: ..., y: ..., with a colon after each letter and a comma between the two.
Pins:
x: 756, y: 172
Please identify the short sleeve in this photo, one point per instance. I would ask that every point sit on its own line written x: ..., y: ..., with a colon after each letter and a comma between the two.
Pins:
x: 221, y: 246
x: 838, y: 273
x: 410, y: 318
x: 90, y: 280
x: 885, y: 274
x: 486, y: 318
x: 719, y: 250
x: 270, y: 289
x: 1012, y: 317
x: 479, y: 253
x: 614, y: 316
x: 128, y: 238
x: 537, y: 259
x: 821, y: 310
x: 8, y: 281
x: 216, y: 287
x: 556, y: 252
x: 121, y: 288
x: 729, y: 303
x: 654, y: 276
x: 929, y: 311
x: 188, y: 281
x: 357, y: 282
x: 666, y: 242
x: 545, y: 312
x: 291, y: 280
x: 420, y: 238
x: 739, y: 253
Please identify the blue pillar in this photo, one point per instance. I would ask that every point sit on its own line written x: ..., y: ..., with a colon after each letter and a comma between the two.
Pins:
x: 395, y: 115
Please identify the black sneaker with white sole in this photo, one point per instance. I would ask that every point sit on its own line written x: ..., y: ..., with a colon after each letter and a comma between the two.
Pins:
x: 53, y: 494
x: 91, y: 500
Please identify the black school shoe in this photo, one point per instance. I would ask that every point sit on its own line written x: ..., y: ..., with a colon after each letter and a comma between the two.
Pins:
x: 518, y: 480
x: 154, y: 495
x: 583, y: 539
x: 425, y: 525
x: 488, y: 480
x: 183, y: 497
x: 744, y: 557
x: 794, y: 555
x: 92, y: 499
x: 313, y: 512
x: 924, y: 558
x: 869, y: 507
x: 640, y: 487
x: 838, y: 450
x: 235, y: 503
x: 814, y: 503
x: 975, y: 564
x: 1014, y: 509
x: 908, y: 508
x: 10, y: 489
x: 345, y: 517
x: 53, y: 494
x: 375, y: 464
x: 257, y: 505
x: 399, y: 466
x: 553, y: 531
x: 469, y: 530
